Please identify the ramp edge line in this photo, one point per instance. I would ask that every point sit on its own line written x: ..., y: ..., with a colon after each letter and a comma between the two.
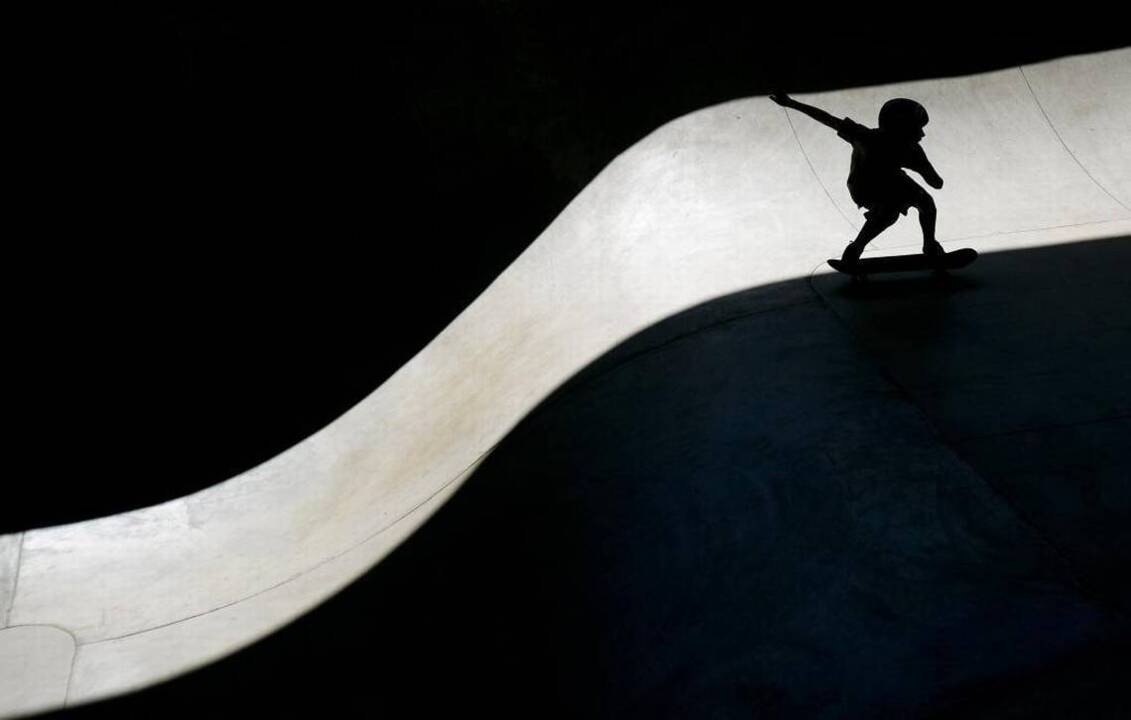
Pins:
x: 1063, y: 144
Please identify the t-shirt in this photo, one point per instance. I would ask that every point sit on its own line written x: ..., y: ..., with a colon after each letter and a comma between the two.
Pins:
x: 877, y: 156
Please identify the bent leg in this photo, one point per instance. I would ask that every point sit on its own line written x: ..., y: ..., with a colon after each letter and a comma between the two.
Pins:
x: 877, y: 221
x: 925, y: 204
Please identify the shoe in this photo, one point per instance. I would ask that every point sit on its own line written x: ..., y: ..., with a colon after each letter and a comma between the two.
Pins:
x: 934, y: 250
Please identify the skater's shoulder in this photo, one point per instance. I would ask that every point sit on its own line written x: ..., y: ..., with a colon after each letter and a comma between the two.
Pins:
x: 851, y: 130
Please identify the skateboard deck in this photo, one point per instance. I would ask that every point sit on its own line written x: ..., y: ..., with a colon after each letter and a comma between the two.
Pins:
x: 906, y: 263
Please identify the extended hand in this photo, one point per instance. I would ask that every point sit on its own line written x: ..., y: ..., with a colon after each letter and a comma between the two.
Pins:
x: 782, y: 99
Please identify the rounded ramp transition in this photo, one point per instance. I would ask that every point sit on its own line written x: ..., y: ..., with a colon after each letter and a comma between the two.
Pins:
x: 715, y: 218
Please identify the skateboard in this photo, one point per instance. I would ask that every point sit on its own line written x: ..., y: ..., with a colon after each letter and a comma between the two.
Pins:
x: 906, y: 263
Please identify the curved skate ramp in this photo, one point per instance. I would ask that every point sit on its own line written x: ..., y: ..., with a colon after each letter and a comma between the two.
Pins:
x: 738, y: 196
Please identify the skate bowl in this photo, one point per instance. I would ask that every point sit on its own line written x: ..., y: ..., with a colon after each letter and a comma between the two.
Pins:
x: 676, y: 324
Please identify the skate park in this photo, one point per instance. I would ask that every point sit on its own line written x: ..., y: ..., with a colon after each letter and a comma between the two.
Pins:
x: 669, y: 460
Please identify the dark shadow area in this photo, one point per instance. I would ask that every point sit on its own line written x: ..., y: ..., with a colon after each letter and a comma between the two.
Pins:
x: 232, y: 223
x: 763, y: 507
x: 1037, y: 399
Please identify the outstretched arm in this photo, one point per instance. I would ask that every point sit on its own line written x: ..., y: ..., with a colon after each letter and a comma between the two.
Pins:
x: 814, y: 112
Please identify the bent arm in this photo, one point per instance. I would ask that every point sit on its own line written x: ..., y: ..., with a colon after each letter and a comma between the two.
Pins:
x: 814, y: 112
x: 929, y: 173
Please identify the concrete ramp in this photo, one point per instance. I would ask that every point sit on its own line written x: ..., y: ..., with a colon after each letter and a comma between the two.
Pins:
x: 739, y: 200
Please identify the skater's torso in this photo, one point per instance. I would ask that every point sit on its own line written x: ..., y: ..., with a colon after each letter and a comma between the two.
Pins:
x: 877, y: 157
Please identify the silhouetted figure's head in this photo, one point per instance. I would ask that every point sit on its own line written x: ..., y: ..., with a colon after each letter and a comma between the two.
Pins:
x: 904, y: 118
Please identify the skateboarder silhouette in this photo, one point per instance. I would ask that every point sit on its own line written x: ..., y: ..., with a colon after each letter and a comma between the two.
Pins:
x: 876, y: 180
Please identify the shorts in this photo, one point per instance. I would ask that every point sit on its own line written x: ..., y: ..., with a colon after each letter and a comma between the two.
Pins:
x: 894, y: 194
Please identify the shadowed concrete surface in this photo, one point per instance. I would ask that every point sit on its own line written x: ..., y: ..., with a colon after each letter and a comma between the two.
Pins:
x: 799, y: 496
x: 1028, y: 380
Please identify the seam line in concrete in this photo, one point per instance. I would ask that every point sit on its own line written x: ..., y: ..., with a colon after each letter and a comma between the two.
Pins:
x: 1063, y: 144
x: 15, y: 582
x: 53, y: 626
x: 1074, y: 576
x: 1038, y: 428
x: 813, y: 170
x: 312, y: 568
x: 983, y: 236
x: 1022, y: 231
x: 71, y: 674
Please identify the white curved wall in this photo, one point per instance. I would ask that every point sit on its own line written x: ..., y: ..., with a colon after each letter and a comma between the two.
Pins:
x: 737, y: 195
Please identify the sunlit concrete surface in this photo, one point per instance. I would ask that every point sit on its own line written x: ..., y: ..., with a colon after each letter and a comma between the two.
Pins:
x: 35, y: 667
x: 735, y: 196
x: 9, y: 561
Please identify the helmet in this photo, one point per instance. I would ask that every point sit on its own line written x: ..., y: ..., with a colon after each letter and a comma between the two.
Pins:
x: 899, y: 114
